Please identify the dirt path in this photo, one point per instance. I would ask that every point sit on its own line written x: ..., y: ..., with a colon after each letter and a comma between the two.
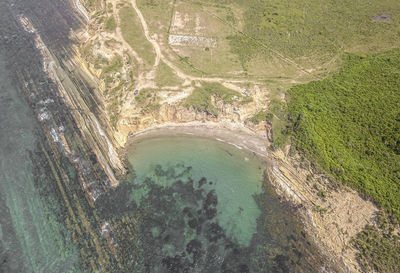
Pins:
x: 145, y: 79
x: 153, y: 42
x: 159, y: 56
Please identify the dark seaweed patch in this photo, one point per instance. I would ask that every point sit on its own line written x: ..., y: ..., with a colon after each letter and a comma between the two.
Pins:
x: 190, y: 239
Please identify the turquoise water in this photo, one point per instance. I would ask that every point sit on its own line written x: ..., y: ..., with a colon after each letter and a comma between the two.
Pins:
x: 202, y: 206
x: 235, y: 175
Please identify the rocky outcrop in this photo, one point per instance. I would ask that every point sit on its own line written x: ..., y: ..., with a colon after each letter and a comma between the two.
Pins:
x: 178, y: 113
x: 332, y: 215
x: 76, y: 88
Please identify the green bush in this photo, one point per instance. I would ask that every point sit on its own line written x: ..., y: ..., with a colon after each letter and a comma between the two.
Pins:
x: 114, y: 66
x: 350, y: 125
x: 379, y: 248
x: 262, y: 115
x: 200, y: 98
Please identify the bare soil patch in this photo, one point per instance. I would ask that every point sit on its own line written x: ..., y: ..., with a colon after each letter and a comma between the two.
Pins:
x: 382, y: 18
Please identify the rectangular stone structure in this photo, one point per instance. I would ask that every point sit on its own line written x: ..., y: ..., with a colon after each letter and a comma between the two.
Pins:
x: 197, y: 41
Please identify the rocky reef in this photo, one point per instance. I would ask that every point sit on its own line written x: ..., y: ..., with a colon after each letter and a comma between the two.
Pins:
x: 75, y: 158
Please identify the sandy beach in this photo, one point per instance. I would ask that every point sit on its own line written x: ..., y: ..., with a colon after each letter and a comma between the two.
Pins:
x: 231, y: 133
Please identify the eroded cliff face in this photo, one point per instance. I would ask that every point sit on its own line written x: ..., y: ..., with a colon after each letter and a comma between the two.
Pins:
x: 168, y: 113
x: 333, y: 214
x: 76, y: 88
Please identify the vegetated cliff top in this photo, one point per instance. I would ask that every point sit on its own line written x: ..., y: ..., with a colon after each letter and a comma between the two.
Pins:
x: 350, y: 125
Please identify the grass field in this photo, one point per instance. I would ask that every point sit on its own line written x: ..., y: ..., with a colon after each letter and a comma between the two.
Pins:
x: 110, y: 24
x: 266, y: 39
x: 312, y: 32
x: 279, y: 37
x: 166, y: 77
x: 134, y: 36
x: 158, y: 14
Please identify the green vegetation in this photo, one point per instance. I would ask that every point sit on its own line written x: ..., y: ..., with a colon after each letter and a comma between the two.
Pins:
x: 276, y: 115
x: 92, y: 4
x: 113, y: 66
x: 158, y: 14
x: 99, y: 62
x: 114, y: 96
x: 279, y: 122
x: 350, y: 125
x: 114, y: 113
x: 143, y: 96
x: 262, y: 115
x: 134, y: 36
x: 115, y: 91
x: 148, y: 100
x: 379, y: 246
x: 200, y: 99
x: 110, y: 25
x: 313, y: 32
x: 165, y: 76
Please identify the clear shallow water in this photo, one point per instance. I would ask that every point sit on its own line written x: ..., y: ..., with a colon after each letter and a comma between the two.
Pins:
x: 234, y: 175
x: 203, y: 208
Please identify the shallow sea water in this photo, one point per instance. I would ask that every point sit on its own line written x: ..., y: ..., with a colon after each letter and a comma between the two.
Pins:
x: 205, y: 209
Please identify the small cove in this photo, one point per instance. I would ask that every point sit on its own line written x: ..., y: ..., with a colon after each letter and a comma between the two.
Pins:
x: 204, y: 207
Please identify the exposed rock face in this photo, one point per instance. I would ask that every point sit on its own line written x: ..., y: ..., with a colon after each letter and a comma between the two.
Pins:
x: 180, y: 114
x: 76, y: 89
x: 333, y: 216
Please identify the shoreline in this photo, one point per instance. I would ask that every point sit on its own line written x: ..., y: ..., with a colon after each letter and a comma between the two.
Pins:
x: 231, y: 133
x: 287, y: 191
x: 330, y: 231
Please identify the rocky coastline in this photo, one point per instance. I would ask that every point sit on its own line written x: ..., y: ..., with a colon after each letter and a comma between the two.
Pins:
x: 332, y: 215
x: 76, y: 125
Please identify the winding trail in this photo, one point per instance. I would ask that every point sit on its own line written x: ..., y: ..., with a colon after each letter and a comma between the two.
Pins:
x: 144, y: 79
x: 228, y: 83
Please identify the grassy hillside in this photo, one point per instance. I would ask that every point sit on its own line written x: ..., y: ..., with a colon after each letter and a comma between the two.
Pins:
x: 312, y: 32
x: 350, y: 125
x: 133, y: 34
